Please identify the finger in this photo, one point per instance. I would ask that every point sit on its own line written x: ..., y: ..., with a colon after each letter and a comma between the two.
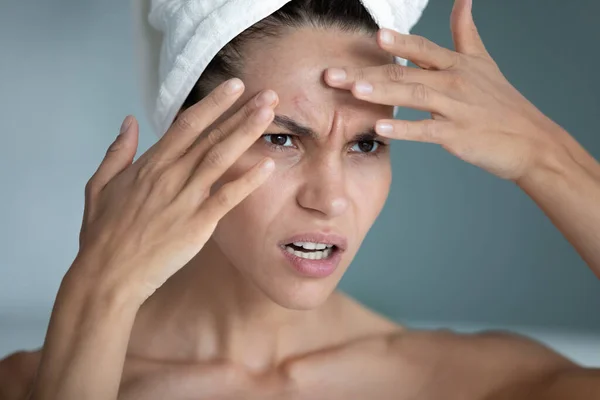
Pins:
x: 183, y: 168
x: 224, y: 154
x: 193, y: 121
x: 412, y: 95
x: 417, y: 49
x: 428, y: 131
x: 464, y: 31
x: 118, y: 157
x: 267, y: 98
x: 232, y: 193
x: 344, y: 78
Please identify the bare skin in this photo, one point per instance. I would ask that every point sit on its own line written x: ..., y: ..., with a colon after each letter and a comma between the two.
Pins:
x: 395, y: 365
x: 233, y: 322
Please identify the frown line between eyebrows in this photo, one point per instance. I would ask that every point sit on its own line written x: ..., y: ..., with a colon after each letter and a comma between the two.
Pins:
x: 296, y: 128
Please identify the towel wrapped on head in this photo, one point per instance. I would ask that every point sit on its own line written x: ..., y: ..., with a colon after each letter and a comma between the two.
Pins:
x: 177, y: 39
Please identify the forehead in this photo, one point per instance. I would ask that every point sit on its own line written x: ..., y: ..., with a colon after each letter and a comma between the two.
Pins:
x: 293, y: 65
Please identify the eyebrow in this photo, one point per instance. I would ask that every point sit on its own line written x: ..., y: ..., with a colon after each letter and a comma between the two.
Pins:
x: 296, y: 128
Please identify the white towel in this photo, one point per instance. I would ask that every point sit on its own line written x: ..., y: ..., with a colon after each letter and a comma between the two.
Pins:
x: 176, y: 39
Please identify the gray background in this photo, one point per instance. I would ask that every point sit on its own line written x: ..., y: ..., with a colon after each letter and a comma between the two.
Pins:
x: 453, y: 243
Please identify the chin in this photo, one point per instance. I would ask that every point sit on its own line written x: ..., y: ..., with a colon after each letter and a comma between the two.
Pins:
x: 301, y: 295
x: 292, y: 289
x: 287, y: 281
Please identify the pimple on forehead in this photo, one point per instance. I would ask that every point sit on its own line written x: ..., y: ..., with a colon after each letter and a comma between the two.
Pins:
x: 300, y: 100
x: 302, y: 105
x: 314, y: 113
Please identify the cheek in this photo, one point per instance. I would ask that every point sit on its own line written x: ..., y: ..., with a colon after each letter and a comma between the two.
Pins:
x: 369, y: 188
x: 246, y: 229
x: 255, y: 223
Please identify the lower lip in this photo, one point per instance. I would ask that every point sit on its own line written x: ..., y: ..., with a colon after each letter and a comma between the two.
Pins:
x: 314, y: 268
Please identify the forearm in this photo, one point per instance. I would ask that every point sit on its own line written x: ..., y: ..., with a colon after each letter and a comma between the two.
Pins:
x: 575, y: 384
x: 568, y: 191
x: 86, y: 343
x: 581, y: 384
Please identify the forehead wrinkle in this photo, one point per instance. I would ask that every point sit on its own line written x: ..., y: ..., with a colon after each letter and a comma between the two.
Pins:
x: 285, y: 122
x: 311, y: 110
x: 314, y: 115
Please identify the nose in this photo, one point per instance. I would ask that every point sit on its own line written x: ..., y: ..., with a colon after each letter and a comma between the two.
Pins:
x: 324, y: 189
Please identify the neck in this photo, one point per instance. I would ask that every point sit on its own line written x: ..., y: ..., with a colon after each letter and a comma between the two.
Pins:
x: 209, y: 311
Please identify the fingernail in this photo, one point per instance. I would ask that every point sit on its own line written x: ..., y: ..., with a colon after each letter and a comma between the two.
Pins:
x: 267, y: 165
x: 126, y: 124
x: 233, y: 86
x: 337, y: 74
x: 363, y: 87
x: 266, y: 98
x: 384, y: 128
x: 386, y: 36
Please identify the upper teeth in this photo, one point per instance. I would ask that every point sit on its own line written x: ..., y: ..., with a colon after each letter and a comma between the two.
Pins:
x: 313, y: 246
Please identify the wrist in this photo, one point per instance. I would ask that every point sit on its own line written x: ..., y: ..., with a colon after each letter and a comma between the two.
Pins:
x: 551, y: 164
x: 560, y: 154
x: 87, y: 338
x: 91, y: 288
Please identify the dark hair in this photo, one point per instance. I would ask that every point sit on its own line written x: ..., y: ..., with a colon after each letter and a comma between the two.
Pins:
x: 346, y: 15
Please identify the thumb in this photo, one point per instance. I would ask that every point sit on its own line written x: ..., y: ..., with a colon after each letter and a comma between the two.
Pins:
x: 464, y: 32
x: 118, y: 157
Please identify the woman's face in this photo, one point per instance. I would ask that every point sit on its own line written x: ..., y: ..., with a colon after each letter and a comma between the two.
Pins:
x: 329, y: 180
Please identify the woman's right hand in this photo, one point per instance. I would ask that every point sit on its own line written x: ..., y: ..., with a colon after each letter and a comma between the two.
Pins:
x: 144, y: 221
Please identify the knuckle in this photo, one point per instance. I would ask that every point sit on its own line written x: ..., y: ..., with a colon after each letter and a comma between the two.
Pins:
x: 214, y: 157
x: 224, y: 197
x: 429, y: 131
x: 421, y: 43
x: 185, y: 121
x: 420, y: 92
x: 395, y: 72
x: 163, y: 181
x: 145, y: 171
x: 403, y: 41
x: 359, y: 74
x: 114, y: 147
x: 215, y: 136
x: 456, y: 61
x: 458, y: 81
x: 91, y: 187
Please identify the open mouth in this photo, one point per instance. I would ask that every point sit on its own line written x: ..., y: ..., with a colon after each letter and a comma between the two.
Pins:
x: 311, y: 251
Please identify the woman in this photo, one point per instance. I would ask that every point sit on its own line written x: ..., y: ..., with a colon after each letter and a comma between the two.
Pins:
x: 207, y: 267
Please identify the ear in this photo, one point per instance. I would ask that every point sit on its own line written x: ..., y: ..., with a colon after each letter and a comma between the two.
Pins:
x: 464, y: 32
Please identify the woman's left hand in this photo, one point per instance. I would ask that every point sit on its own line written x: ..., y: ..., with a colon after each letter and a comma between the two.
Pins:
x: 477, y: 114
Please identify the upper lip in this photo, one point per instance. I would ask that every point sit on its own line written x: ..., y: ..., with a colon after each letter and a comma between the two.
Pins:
x: 318, y: 237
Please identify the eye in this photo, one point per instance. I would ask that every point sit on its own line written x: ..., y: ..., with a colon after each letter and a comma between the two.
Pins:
x: 366, y: 146
x: 278, y: 140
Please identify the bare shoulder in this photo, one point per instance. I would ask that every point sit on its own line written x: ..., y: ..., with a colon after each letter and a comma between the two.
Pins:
x: 489, y: 348
x: 17, y: 372
x: 431, y: 364
x: 482, y: 363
